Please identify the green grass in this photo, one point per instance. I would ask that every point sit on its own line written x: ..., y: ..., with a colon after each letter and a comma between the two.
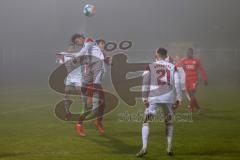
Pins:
x: 29, y: 130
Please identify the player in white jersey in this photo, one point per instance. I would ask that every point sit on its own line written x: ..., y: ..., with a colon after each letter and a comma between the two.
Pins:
x: 73, y: 81
x: 92, y: 58
x: 160, y: 85
x: 177, y: 61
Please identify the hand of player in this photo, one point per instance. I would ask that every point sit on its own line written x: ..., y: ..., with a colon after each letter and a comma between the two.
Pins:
x: 177, y: 104
x: 146, y: 103
x: 205, y: 82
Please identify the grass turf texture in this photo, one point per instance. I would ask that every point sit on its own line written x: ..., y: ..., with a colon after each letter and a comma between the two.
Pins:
x: 29, y: 130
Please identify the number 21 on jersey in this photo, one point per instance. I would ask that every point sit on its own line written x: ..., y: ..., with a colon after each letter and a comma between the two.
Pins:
x: 163, y: 77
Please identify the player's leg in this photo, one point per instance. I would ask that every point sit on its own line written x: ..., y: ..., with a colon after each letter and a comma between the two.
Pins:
x: 168, y: 115
x: 87, y: 78
x: 84, y: 112
x: 67, y: 101
x: 193, y: 101
x: 86, y: 81
x: 148, y: 115
x: 78, y: 87
x: 89, y: 94
x: 98, y: 100
x: 188, y: 94
x: 191, y: 89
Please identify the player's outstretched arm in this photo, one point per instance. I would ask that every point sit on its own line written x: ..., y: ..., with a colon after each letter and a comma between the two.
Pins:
x: 203, y: 73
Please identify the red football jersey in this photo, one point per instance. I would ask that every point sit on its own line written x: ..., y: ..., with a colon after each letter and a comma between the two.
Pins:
x: 191, y: 67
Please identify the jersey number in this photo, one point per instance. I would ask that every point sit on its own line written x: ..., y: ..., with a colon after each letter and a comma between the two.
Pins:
x: 164, y: 77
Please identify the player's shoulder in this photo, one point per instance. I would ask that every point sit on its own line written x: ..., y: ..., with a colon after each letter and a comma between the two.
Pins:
x: 166, y: 64
x: 169, y: 59
x: 192, y: 60
x: 197, y: 59
x: 183, y: 59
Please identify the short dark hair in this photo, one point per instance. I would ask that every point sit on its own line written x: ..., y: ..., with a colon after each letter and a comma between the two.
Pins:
x: 75, y: 36
x: 162, y: 51
x: 100, y: 41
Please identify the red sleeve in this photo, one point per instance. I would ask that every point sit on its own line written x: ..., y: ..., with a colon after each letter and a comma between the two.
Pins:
x: 202, y: 70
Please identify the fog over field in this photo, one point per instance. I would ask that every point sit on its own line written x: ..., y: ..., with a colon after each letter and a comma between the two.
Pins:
x: 33, y: 31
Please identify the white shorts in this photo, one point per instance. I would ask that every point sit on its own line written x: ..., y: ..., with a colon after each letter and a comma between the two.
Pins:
x: 73, y: 82
x: 166, y: 107
x: 93, y: 72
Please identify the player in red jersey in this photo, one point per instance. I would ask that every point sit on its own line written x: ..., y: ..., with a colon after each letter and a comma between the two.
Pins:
x: 191, y: 66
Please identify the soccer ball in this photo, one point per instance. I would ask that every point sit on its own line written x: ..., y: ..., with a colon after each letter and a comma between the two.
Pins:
x: 89, y: 10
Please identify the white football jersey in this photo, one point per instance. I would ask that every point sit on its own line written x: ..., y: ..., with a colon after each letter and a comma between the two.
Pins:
x: 91, y: 48
x: 180, y: 71
x: 160, y: 82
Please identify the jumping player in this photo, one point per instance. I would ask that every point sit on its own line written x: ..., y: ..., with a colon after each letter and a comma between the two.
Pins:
x: 160, y: 83
x: 73, y: 79
x: 93, y: 70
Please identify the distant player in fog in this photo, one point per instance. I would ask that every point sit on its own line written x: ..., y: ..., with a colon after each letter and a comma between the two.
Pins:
x: 73, y: 80
x: 192, y: 66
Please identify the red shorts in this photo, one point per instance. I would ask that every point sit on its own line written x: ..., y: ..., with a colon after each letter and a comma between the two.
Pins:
x: 191, y: 85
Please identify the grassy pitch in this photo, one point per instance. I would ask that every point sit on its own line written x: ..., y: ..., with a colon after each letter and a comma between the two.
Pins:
x: 29, y: 130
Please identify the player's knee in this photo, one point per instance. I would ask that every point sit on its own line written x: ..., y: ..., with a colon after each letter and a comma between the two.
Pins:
x: 168, y: 119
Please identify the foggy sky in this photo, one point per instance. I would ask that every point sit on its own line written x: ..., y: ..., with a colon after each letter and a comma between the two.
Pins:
x: 32, y: 31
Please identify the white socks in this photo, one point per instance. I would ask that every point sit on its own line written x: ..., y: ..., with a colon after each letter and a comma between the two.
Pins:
x: 169, y: 130
x: 145, y: 133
